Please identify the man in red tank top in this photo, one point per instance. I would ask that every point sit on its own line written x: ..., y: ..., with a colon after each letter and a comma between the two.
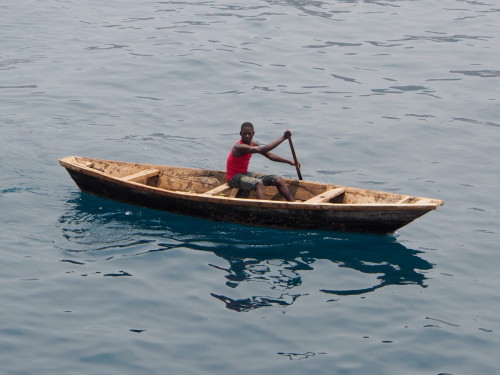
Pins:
x: 237, y: 174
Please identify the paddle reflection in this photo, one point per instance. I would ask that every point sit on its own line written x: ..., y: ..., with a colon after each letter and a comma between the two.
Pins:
x: 276, y: 263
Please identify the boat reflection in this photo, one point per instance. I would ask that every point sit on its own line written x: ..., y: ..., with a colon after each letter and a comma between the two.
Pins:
x: 276, y: 263
x: 378, y: 261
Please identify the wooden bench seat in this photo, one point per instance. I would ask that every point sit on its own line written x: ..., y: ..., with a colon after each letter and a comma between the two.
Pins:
x: 141, y: 175
x: 222, y: 188
x: 325, y: 196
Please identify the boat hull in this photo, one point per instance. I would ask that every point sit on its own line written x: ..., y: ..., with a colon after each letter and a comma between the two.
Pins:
x: 376, y: 219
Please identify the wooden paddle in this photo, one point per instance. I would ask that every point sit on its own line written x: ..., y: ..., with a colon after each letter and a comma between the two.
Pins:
x: 295, y: 158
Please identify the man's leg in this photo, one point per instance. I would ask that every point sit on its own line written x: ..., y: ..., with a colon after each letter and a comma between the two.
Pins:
x: 283, y: 189
x: 259, y: 190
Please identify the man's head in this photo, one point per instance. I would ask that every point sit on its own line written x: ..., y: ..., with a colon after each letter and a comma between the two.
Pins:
x: 247, y: 132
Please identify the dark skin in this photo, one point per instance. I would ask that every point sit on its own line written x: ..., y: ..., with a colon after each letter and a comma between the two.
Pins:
x: 240, y: 149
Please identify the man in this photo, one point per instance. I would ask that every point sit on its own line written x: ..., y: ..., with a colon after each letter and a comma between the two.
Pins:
x: 237, y: 174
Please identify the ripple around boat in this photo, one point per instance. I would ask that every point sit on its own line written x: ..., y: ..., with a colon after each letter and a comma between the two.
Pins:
x: 205, y: 193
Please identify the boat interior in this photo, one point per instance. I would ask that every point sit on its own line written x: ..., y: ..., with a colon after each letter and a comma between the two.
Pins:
x: 213, y: 183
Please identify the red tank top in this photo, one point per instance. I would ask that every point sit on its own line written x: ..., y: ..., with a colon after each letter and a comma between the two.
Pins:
x: 236, y: 165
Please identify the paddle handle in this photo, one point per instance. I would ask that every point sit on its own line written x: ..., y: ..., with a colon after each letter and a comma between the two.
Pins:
x: 295, y: 159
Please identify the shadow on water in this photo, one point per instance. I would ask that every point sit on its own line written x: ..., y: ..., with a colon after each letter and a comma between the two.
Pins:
x: 277, y: 259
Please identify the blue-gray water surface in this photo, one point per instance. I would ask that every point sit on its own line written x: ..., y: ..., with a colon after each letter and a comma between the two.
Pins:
x: 394, y: 95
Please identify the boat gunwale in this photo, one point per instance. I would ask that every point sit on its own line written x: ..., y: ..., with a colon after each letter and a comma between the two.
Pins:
x: 70, y: 162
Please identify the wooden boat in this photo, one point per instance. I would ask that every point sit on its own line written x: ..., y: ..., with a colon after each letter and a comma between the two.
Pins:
x: 204, y: 193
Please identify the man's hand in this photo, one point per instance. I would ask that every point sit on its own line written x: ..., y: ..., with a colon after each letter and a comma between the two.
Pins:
x: 287, y: 134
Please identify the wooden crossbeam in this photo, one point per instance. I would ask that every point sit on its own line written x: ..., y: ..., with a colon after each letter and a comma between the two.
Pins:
x: 88, y: 164
x: 141, y: 175
x: 325, y: 196
x: 424, y: 201
x: 404, y: 200
x: 420, y: 201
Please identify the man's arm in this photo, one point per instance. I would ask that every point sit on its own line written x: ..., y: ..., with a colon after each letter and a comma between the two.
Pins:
x: 242, y: 148
x: 278, y: 158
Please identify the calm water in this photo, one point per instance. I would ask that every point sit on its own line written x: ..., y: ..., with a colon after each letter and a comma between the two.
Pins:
x: 394, y: 95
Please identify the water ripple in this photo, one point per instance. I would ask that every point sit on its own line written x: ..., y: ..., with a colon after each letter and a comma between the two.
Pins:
x: 477, y: 122
x: 478, y: 73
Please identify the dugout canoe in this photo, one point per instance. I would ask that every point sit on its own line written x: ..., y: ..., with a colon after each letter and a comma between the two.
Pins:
x: 204, y: 193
